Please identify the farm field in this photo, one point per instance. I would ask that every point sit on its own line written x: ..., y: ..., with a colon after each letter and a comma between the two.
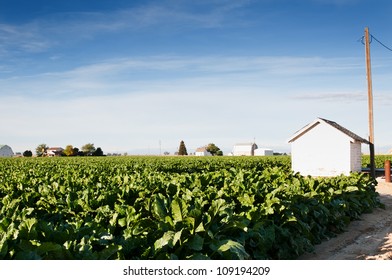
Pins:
x: 171, y: 208
x: 379, y: 160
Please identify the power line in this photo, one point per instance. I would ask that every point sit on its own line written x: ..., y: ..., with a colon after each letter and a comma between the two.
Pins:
x: 378, y: 41
x: 388, y: 48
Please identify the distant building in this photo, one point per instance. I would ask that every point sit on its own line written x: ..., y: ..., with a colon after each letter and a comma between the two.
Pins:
x: 202, y: 151
x: 244, y: 149
x: 6, y: 151
x: 264, y: 152
x: 325, y: 148
x: 54, y: 152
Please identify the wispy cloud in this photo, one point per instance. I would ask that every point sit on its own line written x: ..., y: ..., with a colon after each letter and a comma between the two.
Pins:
x: 333, y: 96
x: 41, y: 34
x: 143, y: 98
x: 25, y: 38
x: 166, y: 73
x: 102, y: 119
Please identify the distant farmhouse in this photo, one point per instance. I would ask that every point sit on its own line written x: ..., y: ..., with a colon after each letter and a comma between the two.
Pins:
x: 54, y: 152
x: 325, y: 148
x: 6, y: 151
x: 202, y: 151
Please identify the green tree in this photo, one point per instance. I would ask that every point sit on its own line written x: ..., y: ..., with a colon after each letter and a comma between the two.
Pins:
x: 41, y: 150
x: 214, y: 150
x: 75, y: 151
x: 182, y: 149
x: 27, y: 153
x: 88, y: 149
x: 98, y: 152
x: 68, y: 151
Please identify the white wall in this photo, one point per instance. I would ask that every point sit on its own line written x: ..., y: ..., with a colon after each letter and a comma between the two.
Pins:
x: 356, y: 157
x: 264, y: 152
x: 242, y: 150
x: 203, y: 154
x: 322, y: 151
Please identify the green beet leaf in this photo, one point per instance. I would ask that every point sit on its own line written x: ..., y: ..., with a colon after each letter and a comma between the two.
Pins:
x: 178, y: 209
x: 165, y: 240
x: 232, y: 250
x: 3, y: 245
x: 158, y: 206
x: 196, y: 243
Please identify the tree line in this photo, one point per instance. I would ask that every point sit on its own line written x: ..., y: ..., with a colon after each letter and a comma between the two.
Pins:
x: 211, y: 148
x: 90, y: 150
x: 86, y: 150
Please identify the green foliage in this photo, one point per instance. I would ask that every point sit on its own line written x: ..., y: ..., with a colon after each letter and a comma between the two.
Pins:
x: 379, y: 160
x: 182, y: 149
x: 98, y: 152
x: 69, y: 150
x: 214, y: 150
x: 171, y: 208
x: 41, y: 150
x: 27, y: 153
x: 88, y: 149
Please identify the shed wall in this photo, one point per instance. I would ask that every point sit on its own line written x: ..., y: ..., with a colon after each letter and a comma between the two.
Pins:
x: 356, y: 157
x: 322, y: 151
x: 202, y: 154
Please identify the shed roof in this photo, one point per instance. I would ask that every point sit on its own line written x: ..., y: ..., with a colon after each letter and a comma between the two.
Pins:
x: 342, y: 129
x: 201, y: 149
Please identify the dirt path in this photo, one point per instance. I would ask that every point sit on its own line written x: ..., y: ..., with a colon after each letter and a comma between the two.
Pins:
x: 367, y: 239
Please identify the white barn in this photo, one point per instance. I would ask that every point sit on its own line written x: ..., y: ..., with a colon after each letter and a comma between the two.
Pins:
x: 325, y: 148
x: 6, y: 151
x: 244, y: 149
x: 202, y: 151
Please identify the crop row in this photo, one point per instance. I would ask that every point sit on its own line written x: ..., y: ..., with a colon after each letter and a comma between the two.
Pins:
x: 379, y: 160
x: 171, y: 208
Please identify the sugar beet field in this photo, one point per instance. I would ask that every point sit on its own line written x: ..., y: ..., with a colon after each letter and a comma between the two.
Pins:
x: 171, y: 208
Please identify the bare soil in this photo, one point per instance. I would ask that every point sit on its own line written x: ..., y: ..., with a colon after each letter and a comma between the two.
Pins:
x: 369, y: 238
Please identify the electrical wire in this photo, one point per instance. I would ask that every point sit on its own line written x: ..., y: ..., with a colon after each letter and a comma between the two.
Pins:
x: 388, y: 48
x: 362, y: 39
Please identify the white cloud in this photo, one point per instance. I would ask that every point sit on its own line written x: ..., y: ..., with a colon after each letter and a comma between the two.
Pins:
x: 167, y: 73
x: 334, y: 96
x: 26, y: 38
x: 128, y: 122
x: 42, y: 34
x: 139, y: 122
x: 132, y: 103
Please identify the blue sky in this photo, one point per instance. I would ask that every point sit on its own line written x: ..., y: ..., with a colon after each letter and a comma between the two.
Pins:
x: 140, y: 76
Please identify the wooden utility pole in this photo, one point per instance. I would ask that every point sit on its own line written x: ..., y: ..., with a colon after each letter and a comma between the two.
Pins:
x: 370, y: 103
